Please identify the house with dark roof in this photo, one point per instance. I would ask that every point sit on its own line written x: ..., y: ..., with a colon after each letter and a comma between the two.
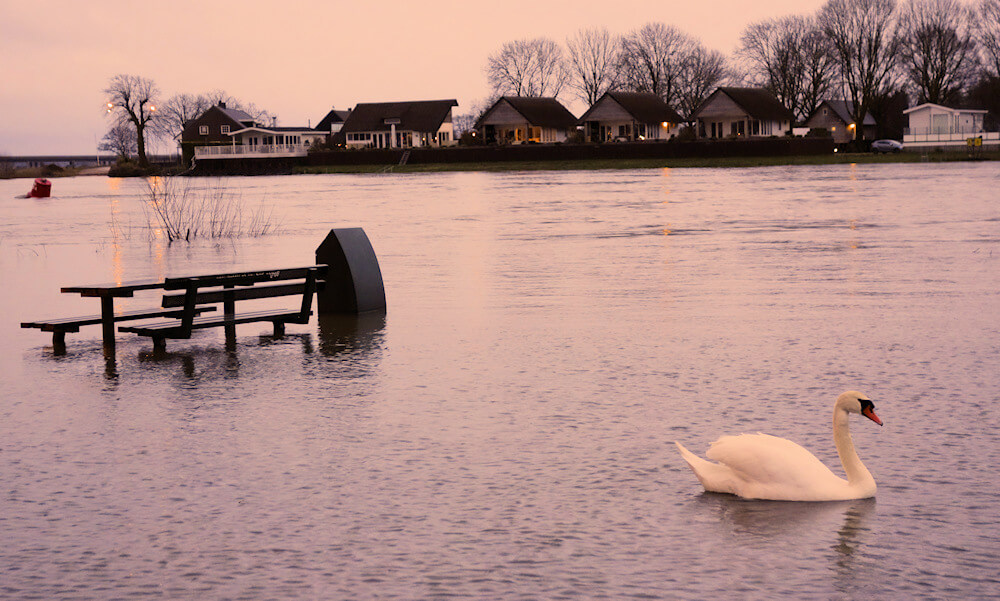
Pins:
x: 523, y: 120
x: 629, y: 116
x: 333, y: 121
x: 400, y: 124
x: 215, y: 125
x: 741, y: 113
x: 225, y: 133
x: 835, y: 117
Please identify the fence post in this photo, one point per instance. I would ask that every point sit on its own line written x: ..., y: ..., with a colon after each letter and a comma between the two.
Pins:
x: 353, y: 279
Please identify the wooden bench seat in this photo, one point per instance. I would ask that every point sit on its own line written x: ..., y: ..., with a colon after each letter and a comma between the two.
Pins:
x: 60, y: 326
x: 161, y: 330
x: 228, y: 289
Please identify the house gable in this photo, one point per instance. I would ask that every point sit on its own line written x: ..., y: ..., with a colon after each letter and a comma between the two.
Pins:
x: 719, y: 105
x: 641, y: 107
x: 536, y: 112
x: 333, y: 120
x: 606, y: 109
x: 501, y: 113
x: 212, y: 126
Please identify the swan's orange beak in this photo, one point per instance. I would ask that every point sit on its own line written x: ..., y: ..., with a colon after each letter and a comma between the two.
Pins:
x: 870, y: 414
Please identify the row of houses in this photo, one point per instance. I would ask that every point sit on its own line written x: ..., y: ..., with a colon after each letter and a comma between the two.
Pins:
x: 728, y: 113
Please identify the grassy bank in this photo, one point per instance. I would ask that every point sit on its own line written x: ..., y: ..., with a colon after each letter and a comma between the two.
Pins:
x: 55, y: 171
x: 47, y: 172
x: 831, y: 159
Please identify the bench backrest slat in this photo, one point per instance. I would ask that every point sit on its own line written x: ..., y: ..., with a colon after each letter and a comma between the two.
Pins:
x: 246, y: 278
x: 254, y: 292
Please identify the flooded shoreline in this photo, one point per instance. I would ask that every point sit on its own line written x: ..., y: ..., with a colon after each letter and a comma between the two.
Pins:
x: 505, y: 430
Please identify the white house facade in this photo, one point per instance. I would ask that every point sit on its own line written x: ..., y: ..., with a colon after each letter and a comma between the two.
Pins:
x: 259, y: 141
x: 933, y: 125
x: 629, y: 117
x: 524, y: 120
x: 410, y: 124
x: 736, y: 113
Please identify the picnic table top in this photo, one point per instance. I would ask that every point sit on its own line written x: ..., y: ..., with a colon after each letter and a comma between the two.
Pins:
x: 113, y: 288
x: 126, y: 288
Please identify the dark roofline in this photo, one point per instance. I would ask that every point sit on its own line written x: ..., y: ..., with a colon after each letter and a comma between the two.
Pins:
x: 842, y: 108
x: 544, y: 111
x: 639, y: 102
x: 413, y: 115
x: 763, y: 105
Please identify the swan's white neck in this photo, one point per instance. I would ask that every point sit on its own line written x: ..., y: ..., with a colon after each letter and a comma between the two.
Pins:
x: 857, y: 473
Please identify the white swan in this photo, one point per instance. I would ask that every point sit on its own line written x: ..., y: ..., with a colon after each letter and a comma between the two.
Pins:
x: 759, y: 466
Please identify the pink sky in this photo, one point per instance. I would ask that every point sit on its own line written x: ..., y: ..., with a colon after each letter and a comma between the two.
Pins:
x: 295, y: 58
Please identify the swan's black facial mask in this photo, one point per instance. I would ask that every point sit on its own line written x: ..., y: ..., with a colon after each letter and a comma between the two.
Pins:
x: 868, y: 410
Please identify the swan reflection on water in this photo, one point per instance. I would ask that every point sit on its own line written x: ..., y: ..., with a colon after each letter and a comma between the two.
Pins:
x: 779, y: 518
x: 797, y: 530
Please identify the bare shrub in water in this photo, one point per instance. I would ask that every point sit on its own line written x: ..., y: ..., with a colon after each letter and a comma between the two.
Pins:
x: 182, y: 213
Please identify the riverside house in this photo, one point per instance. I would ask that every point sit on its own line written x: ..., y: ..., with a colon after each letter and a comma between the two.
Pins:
x: 835, y: 117
x: 409, y: 124
x: 523, y: 120
x: 629, y: 117
x: 741, y: 113
x: 225, y: 133
x: 933, y: 125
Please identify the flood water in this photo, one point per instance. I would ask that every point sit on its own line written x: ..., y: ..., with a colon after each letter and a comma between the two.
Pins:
x: 505, y: 430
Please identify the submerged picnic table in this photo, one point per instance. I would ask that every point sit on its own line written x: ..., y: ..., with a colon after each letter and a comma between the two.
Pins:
x: 346, y: 275
x: 192, y: 297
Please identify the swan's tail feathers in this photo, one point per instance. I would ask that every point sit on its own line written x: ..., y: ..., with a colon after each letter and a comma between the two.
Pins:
x: 713, y: 476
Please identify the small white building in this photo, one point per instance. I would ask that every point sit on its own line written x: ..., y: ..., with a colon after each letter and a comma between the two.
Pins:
x: 933, y: 125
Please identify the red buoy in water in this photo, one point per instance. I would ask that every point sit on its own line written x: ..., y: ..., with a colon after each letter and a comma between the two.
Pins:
x: 41, y: 189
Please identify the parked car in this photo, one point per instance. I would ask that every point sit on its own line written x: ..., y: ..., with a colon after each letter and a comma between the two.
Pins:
x: 879, y: 146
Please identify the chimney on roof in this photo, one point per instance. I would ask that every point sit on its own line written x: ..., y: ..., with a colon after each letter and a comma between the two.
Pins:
x: 222, y: 104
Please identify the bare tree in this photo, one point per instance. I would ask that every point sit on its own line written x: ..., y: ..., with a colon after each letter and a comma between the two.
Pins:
x: 132, y: 99
x: 867, y: 49
x: 651, y: 59
x: 819, y: 75
x: 987, y: 19
x: 178, y: 110
x: 120, y: 140
x: 259, y: 115
x: 181, y: 108
x: 937, y: 49
x: 701, y: 72
x: 527, y: 68
x: 790, y: 57
x: 771, y: 50
x: 593, y: 57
